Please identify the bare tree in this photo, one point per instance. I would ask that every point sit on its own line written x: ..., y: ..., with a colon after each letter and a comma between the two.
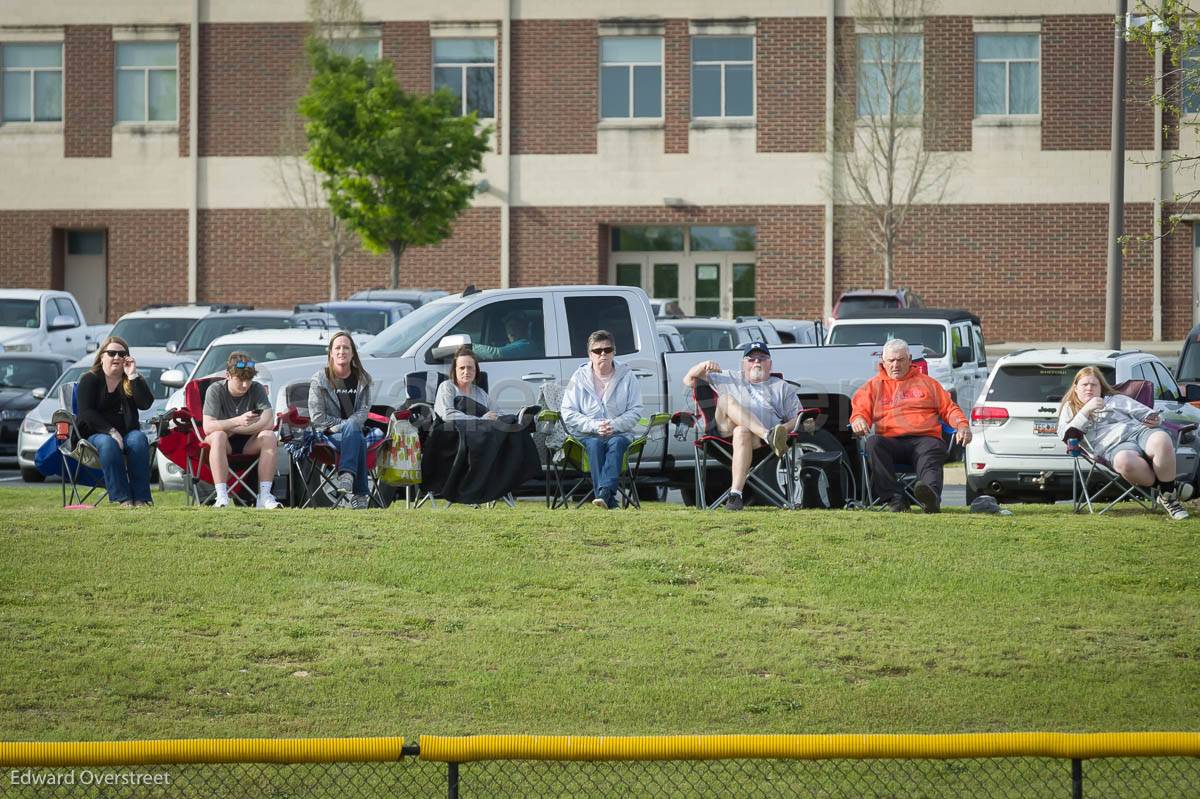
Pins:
x: 312, y: 232
x: 882, y: 167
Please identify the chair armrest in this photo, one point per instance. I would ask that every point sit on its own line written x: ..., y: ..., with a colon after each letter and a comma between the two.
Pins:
x: 549, y: 416
x: 529, y: 415
x: 684, y: 421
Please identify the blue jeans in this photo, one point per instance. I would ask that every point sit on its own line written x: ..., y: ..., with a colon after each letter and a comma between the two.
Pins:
x: 604, y: 460
x: 126, y: 471
x: 352, y: 455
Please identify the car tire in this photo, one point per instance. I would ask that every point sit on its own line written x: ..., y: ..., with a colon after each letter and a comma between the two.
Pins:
x: 30, y: 474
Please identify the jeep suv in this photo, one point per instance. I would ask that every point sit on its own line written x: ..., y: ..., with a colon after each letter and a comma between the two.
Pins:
x: 1016, y: 453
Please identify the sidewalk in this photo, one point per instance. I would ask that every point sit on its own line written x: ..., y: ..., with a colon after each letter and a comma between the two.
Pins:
x: 1167, y: 351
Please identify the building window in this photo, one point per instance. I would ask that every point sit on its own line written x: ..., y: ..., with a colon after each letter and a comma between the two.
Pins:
x: 1007, y: 80
x: 366, y: 49
x: 647, y: 239
x: 630, y: 76
x: 1190, y: 81
x: 147, y: 86
x: 467, y: 67
x: 33, y: 82
x: 722, y: 76
x: 889, y: 71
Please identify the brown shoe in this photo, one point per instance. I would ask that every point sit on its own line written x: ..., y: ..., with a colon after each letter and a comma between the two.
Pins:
x: 778, y: 439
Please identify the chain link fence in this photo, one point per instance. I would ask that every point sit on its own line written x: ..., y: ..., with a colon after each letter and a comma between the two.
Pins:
x: 870, y: 777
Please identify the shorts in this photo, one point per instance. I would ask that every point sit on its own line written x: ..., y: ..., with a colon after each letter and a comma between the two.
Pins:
x: 237, y: 444
x: 1134, y: 441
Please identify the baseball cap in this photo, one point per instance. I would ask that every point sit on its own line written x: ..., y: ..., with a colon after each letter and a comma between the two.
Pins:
x: 760, y: 346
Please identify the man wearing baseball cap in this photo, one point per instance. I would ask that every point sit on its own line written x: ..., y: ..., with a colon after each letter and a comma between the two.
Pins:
x: 754, y: 409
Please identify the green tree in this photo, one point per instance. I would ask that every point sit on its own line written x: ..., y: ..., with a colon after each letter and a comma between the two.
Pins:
x: 397, y: 167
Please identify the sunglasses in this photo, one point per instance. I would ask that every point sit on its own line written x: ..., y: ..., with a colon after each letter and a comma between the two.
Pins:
x: 758, y: 358
x: 243, y: 364
x: 603, y: 351
x: 116, y: 353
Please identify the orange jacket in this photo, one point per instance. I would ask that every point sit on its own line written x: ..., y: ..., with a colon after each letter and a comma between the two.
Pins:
x: 910, y: 406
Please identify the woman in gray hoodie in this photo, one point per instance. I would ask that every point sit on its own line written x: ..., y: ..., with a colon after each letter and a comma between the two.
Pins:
x: 1124, y: 433
x: 339, y: 398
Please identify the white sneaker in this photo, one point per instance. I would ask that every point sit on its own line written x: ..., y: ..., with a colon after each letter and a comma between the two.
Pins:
x: 1170, y: 503
x: 221, y: 502
x: 345, y: 483
x: 267, y: 500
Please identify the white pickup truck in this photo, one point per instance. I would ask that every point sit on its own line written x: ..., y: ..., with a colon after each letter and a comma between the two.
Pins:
x: 408, y: 358
x: 38, y: 320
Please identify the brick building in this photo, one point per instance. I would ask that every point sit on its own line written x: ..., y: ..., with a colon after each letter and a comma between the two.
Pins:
x: 676, y: 145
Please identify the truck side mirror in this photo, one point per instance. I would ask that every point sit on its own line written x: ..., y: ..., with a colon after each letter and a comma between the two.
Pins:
x: 446, y: 347
x: 92, y: 346
x: 1191, y: 392
x: 62, y: 322
x: 961, y: 355
x: 175, y: 378
x: 39, y: 393
x: 172, y: 347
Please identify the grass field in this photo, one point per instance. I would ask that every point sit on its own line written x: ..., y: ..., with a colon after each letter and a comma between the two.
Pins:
x: 178, y: 622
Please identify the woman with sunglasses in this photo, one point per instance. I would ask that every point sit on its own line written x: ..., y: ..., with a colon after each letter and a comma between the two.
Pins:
x: 601, y: 407
x: 339, y: 399
x: 108, y: 399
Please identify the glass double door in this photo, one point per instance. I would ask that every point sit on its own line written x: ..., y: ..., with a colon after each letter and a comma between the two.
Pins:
x: 704, y: 284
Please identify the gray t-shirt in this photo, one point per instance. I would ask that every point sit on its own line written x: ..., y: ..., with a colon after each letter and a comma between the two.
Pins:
x: 220, y: 404
x: 770, y: 402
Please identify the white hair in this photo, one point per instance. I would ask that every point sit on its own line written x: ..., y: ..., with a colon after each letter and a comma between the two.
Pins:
x: 896, y: 346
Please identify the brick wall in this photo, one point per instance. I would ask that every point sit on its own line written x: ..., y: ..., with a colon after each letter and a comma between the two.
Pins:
x: 147, y: 253
x: 230, y: 239
x: 949, y: 83
x: 185, y: 82
x: 791, y: 85
x: 1077, y: 90
x: 88, y: 104
x: 677, y: 82
x: 410, y: 49
x: 555, y: 98
x: 250, y: 78
x: 1015, y: 266
x: 845, y: 80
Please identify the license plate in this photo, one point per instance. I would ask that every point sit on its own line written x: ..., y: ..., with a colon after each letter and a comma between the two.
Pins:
x: 1045, y: 428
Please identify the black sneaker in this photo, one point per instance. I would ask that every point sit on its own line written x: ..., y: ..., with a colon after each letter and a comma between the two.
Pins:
x: 927, y: 498
x: 896, y: 506
x: 733, y: 502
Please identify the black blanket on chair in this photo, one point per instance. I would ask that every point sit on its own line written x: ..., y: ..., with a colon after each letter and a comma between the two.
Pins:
x: 477, y: 461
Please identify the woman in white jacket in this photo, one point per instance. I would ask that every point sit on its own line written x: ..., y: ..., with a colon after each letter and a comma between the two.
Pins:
x: 1123, y: 432
x: 602, y: 406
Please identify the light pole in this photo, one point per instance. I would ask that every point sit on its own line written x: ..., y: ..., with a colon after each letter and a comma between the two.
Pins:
x: 1116, y: 202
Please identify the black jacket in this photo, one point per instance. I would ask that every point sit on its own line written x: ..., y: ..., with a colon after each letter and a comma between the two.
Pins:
x: 89, y: 395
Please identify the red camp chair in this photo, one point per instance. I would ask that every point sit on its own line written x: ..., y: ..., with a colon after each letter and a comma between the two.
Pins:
x: 181, y: 441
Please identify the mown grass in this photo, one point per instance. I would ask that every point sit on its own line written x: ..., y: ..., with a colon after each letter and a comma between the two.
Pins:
x: 179, y: 622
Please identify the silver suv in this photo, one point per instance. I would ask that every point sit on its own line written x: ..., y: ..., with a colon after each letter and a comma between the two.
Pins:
x: 1016, y: 454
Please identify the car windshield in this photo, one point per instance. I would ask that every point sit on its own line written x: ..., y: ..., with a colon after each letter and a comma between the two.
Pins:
x: 152, y: 331
x: 153, y: 375
x: 1189, y: 364
x: 397, y: 339
x: 214, y: 360
x: 867, y: 303
x: 19, y: 313
x: 1036, y: 383
x: 706, y: 338
x: 931, y: 337
x: 28, y: 373
x: 213, y: 327
x: 361, y: 321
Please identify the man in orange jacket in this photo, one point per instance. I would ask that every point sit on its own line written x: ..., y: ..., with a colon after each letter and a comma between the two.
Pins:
x: 905, y: 406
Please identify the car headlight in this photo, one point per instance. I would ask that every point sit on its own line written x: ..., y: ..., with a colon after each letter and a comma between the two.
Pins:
x: 26, y: 347
x: 35, y: 427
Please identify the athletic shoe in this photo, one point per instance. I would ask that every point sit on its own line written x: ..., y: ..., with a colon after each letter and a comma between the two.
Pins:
x: 778, y: 439
x: 927, y: 498
x: 359, y: 501
x: 267, y: 501
x: 345, y: 483
x: 733, y: 502
x: 896, y: 505
x: 600, y: 503
x: 1170, y: 503
x: 221, y: 502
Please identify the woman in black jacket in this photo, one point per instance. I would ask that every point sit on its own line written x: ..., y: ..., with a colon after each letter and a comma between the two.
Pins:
x: 107, y: 400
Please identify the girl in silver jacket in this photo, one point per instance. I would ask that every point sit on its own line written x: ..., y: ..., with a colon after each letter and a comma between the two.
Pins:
x: 339, y: 399
x: 1124, y: 433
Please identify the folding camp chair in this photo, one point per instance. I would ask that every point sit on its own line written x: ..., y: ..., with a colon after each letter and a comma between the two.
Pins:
x: 1093, y: 479
x: 312, y: 478
x: 72, y: 457
x: 766, y: 470
x: 182, y: 440
x: 906, y: 477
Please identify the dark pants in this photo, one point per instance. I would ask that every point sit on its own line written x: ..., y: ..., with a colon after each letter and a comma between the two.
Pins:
x: 923, y: 454
x: 126, y: 469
